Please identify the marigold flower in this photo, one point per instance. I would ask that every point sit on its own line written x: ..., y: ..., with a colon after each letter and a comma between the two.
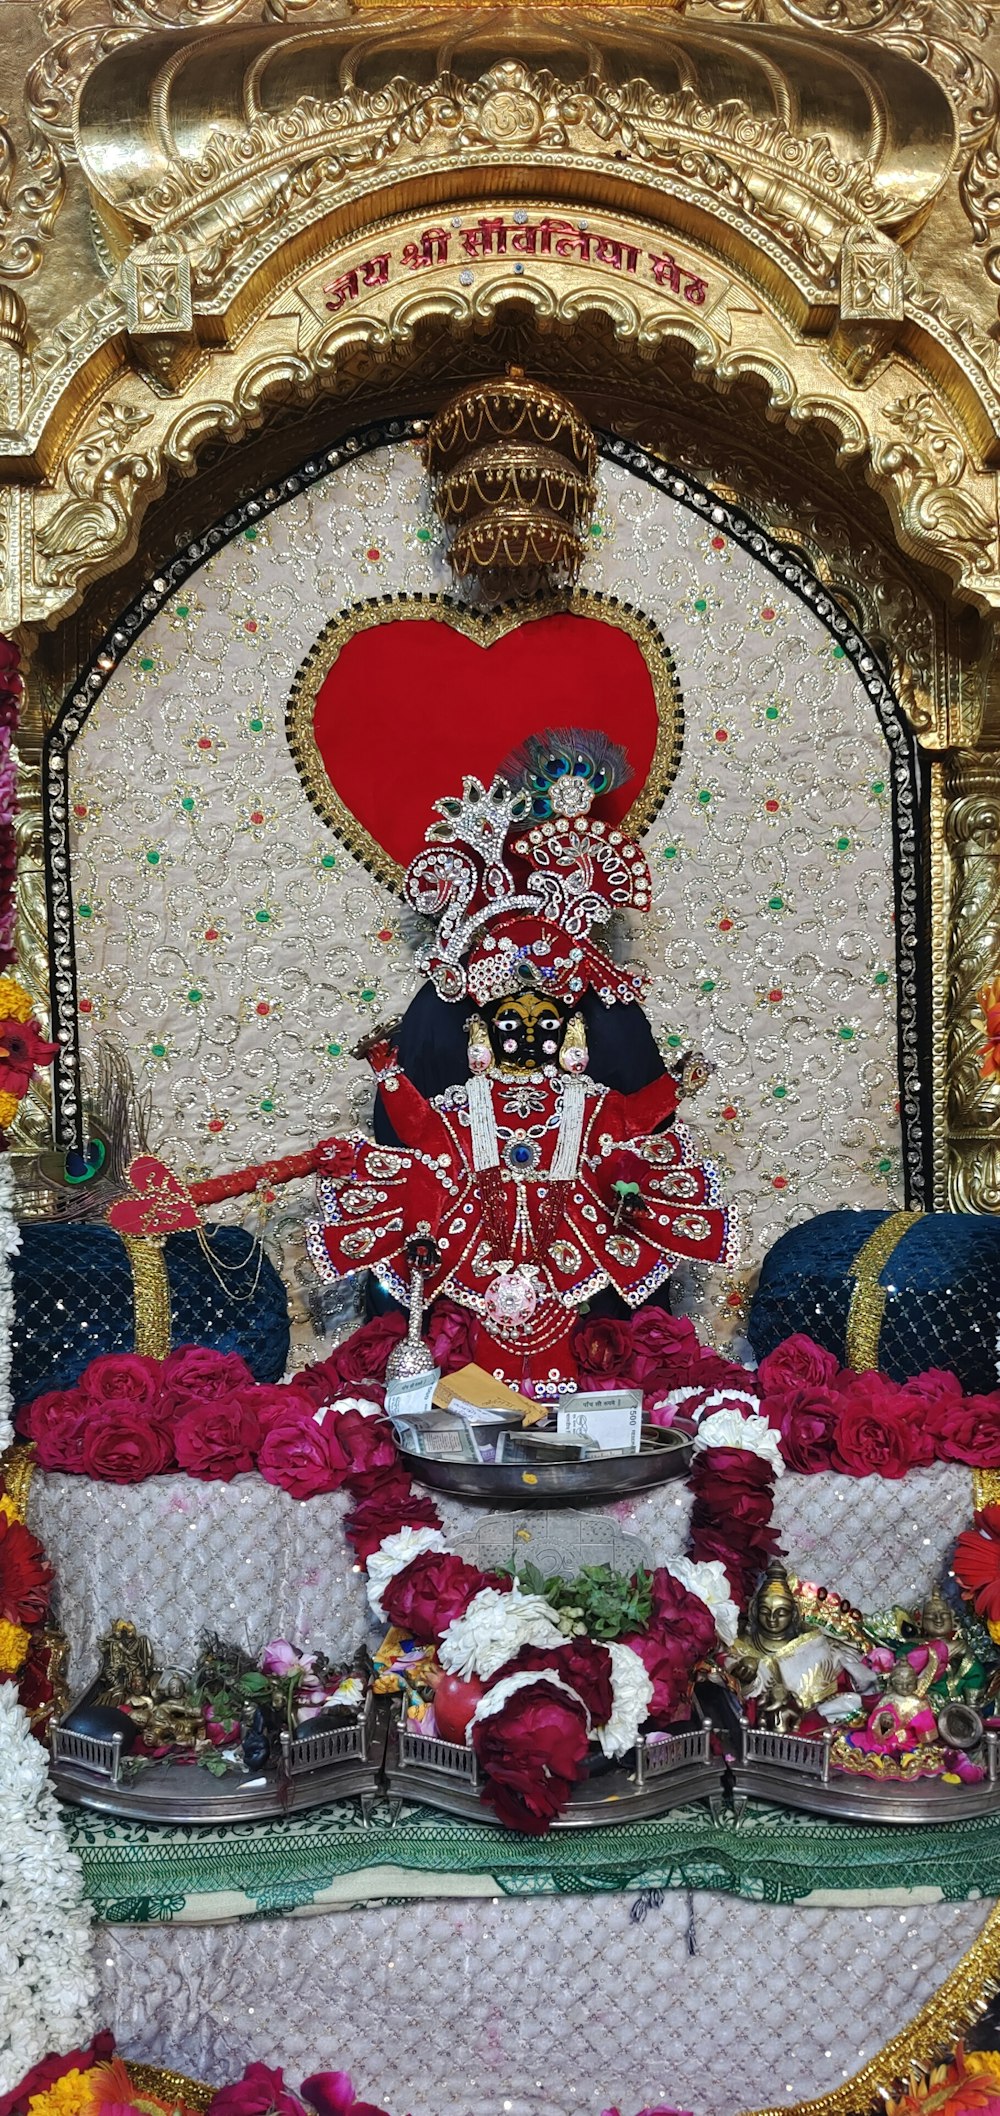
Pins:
x: 15, y: 1002
x: 14, y: 1643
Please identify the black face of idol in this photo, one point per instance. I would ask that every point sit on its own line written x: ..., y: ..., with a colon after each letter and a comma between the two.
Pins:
x: 525, y: 1032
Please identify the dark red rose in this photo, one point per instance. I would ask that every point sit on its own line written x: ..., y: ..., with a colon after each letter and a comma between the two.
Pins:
x: 218, y: 1439
x: 797, y: 1363
x: 430, y: 1593
x: 731, y: 1471
x: 806, y: 1418
x: 364, y: 1356
x: 393, y: 1505
x: 672, y: 1672
x: 874, y: 1436
x: 57, y: 1423
x: 196, y: 1374
x: 49, y: 2069
x: 581, y: 1662
x: 714, y: 1372
x: 358, y: 1446
x: 532, y: 1753
x: 935, y: 1392
x: 25, y: 1574
x: 273, y: 1403
x: 123, y: 1377
x: 970, y: 1431
x: 122, y: 1446
x: 602, y: 1349
x: 295, y: 1455
x: 451, y: 1336
x: 260, y: 2092
x: 665, y: 1349
x: 680, y: 1616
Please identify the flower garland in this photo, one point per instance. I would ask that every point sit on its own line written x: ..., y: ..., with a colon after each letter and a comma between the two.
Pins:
x: 47, y: 1980
x: 30, y: 1655
x: 11, y: 688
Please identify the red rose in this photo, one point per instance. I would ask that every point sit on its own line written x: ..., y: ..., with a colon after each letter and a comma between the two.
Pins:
x: 393, y: 1505
x: 451, y: 1336
x: 123, y: 1377
x: 219, y: 1438
x: 332, y: 2094
x: 273, y: 1403
x: 57, y: 1423
x: 681, y: 1617
x: 260, y: 2092
x: 25, y: 1574
x: 430, y: 1593
x: 665, y: 1349
x: 671, y: 1670
x: 121, y: 1446
x: 797, y: 1363
x: 713, y: 1372
x: 874, y: 1436
x: 364, y: 1356
x: 532, y: 1753
x: 806, y: 1417
x: 50, y: 2069
x: 294, y: 1454
x: 581, y: 1662
x: 969, y: 1431
x: 356, y: 1445
x: 602, y: 1349
x: 935, y: 1392
x: 196, y: 1374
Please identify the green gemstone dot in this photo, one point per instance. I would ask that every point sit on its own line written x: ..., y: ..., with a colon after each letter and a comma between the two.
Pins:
x: 846, y: 1035
x: 251, y: 537
x: 881, y: 977
x: 596, y: 529
x: 147, y: 662
x: 701, y: 605
x: 262, y: 918
x: 423, y: 536
x: 183, y: 609
x: 329, y: 859
x: 674, y: 1042
x: 153, y: 859
x: 194, y: 995
x: 843, y: 844
x: 771, y: 712
x: 885, y: 1165
x: 776, y: 903
x: 708, y: 984
x: 704, y: 796
x: 256, y: 726
x: 85, y: 910
x: 367, y: 994
x: 878, y: 786
x: 267, y: 1103
x: 669, y: 852
x: 333, y: 1050
x: 159, y: 1050
x: 188, y: 803
x: 838, y: 653
x: 779, y: 1093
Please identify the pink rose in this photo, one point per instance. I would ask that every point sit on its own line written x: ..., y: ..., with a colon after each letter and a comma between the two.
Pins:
x: 806, y: 1417
x: 121, y: 1446
x: 219, y: 1438
x: 196, y: 1374
x: 332, y: 2094
x: 970, y: 1431
x: 356, y: 1446
x: 874, y: 1435
x: 664, y: 1349
x: 273, y: 1403
x: 260, y: 2092
x: 294, y: 1454
x: 57, y: 1423
x: 364, y: 1356
x: 451, y: 1336
x: 124, y: 1377
x: 797, y: 1363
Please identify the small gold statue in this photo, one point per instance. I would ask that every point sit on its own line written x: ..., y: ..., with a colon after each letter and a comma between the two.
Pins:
x: 785, y: 1665
x: 127, y: 1666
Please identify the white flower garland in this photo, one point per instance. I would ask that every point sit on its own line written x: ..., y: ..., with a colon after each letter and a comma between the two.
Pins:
x: 393, y: 1555
x: 10, y: 1243
x: 496, y: 1698
x: 707, y: 1578
x: 632, y: 1690
x: 47, y: 1981
x: 729, y: 1428
x: 494, y: 1628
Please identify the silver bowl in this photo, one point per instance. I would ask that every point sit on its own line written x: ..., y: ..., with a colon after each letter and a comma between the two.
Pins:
x: 665, y: 1453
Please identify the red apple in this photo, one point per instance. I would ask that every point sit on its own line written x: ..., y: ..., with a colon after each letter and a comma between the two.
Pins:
x: 454, y: 1704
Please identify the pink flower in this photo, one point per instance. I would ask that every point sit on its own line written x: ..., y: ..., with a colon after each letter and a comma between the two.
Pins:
x: 874, y: 1435
x: 665, y: 1348
x: 58, y: 1423
x: 260, y: 2092
x: 196, y: 1373
x: 282, y: 1658
x: 332, y: 2094
x: 357, y: 1445
x: 806, y: 1416
x: 295, y: 1455
x: 124, y: 1376
x: 120, y: 1446
x: 797, y: 1363
x: 451, y: 1336
x: 219, y: 1438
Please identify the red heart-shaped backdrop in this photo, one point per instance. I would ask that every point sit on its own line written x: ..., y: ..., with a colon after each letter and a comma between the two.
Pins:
x: 391, y: 711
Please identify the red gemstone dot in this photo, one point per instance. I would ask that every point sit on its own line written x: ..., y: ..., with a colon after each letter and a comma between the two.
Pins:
x: 767, y: 614
x: 268, y: 1196
x: 718, y: 543
x: 263, y: 1006
x: 775, y: 994
x: 722, y: 734
x: 729, y: 1113
x: 734, y: 1300
x: 86, y: 1006
x: 79, y: 808
x: 780, y: 1183
x: 204, y: 742
x: 251, y: 625
x: 772, y: 807
x: 256, y: 815
x: 384, y: 933
x: 725, y: 925
x: 211, y: 933
x: 374, y: 553
x: 216, y: 1123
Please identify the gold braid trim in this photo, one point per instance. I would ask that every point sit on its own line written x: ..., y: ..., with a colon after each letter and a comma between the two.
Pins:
x: 170, y: 2086
x: 940, y: 2024
x: 17, y: 1467
x: 864, y: 1318
x: 150, y: 1294
x: 985, y: 1488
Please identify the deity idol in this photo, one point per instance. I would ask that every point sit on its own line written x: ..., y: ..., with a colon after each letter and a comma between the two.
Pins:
x: 530, y: 1186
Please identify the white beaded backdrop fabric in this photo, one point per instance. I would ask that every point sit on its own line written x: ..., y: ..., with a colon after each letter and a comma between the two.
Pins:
x: 239, y: 949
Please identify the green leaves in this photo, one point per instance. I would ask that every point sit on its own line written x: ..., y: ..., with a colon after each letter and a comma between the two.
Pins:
x: 602, y: 1603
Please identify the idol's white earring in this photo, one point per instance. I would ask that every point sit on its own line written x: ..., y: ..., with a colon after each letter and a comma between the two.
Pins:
x: 480, y: 1049
x: 574, y: 1055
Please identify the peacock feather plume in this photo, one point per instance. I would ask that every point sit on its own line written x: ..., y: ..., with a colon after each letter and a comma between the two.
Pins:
x: 565, y: 752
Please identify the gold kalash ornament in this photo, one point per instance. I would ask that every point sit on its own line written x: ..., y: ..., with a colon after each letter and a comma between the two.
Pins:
x: 512, y: 468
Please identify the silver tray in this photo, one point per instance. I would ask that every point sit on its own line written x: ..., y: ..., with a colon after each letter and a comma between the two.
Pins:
x: 91, y: 1772
x: 793, y: 1770
x: 665, y: 1453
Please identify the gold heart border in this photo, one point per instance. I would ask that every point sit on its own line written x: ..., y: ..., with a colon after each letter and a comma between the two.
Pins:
x: 485, y: 627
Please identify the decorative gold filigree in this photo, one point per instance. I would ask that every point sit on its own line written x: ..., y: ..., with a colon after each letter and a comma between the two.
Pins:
x: 930, y: 468
x: 102, y: 475
x: 972, y: 828
x: 485, y: 627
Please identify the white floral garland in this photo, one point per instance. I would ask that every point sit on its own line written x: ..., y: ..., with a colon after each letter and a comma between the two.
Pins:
x: 10, y: 1243
x: 47, y: 1980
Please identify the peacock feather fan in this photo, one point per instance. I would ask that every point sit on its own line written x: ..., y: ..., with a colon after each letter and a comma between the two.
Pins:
x: 565, y: 752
